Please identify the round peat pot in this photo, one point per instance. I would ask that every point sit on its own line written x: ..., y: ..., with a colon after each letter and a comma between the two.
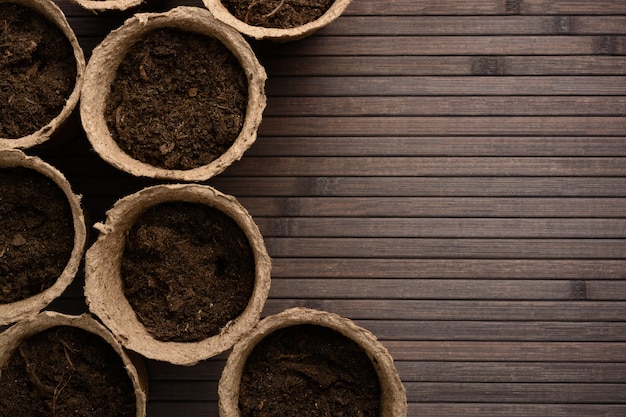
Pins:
x: 179, y: 272
x: 303, y: 359
x: 274, y: 19
x: 42, y: 70
x: 175, y: 95
x: 55, y: 364
x: 42, y: 236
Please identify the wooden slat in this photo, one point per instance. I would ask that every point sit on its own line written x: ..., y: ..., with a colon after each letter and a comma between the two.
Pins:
x: 334, y: 66
x: 443, y: 228
x: 501, y: 146
x: 435, y: 207
x: 364, y: 309
x: 496, y: 330
x: 589, y: 351
x: 454, y: 45
x: 515, y: 410
x: 472, y: 25
x: 375, y: 126
x: 448, y: 86
x: 447, y: 248
x: 445, y: 289
x: 517, y: 393
x: 447, y: 106
x: 414, y: 186
x: 419, y: 269
x: 428, y: 166
x: 487, y: 7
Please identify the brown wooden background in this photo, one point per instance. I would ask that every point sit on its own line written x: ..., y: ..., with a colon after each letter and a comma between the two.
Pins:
x: 452, y: 176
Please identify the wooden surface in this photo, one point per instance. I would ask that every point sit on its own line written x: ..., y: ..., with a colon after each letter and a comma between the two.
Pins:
x: 452, y: 176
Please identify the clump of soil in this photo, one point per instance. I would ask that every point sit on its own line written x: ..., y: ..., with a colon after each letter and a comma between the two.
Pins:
x: 36, y: 233
x: 37, y: 71
x: 188, y: 269
x: 308, y: 371
x: 178, y: 100
x: 283, y: 14
x: 65, y: 371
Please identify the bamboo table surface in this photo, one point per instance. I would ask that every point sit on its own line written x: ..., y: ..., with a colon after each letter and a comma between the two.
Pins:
x: 448, y: 174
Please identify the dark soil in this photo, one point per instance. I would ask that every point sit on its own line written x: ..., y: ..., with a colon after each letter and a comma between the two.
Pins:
x: 65, y: 371
x: 36, y: 233
x: 178, y: 100
x: 188, y: 269
x: 37, y: 71
x: 283, y: 14
x: 309, y: 371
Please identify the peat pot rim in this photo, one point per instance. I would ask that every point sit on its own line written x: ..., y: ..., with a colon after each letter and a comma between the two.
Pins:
x: 53, y: 13
x: 102, y: 69
x: 104, y: 287
x: 11, y: 338
x: 107, y: 5
x: 276, y: 34
x: 28, y: 307
x: 393, y: 395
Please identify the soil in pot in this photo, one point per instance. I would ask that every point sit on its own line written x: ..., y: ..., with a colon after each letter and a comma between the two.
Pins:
x: 282, y: 14
x: 187, y: 269
x: 308, y: 371
x: 37, y: 71
x: 178, y: 100
x: 36, y: 233
x: 65, y: 371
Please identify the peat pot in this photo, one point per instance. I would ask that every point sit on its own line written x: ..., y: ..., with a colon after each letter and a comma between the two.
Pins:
x: 41, y: 74
x: 274, y: 19
x: 303, y: 359
x: 179, y: 272
x: 56, y: 364
x: 175, y: 95
x: 43, y: 235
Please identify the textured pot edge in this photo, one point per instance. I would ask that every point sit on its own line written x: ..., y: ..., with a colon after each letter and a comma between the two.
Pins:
x: 275, y: 34
x: 102, y: 68
x: 12, y: 312
x: 104, y: 6
x: 13, y: 336
x: 51, y: 11
x: 393, y: 395
x: 104, y: 292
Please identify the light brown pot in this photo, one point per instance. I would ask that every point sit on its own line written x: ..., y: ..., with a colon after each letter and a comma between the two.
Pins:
x: 393, y: 402
x: 51, y: 11
x: 28, y: 307
x: 11, y: 338
x: 102, y: 69
x: 104, y: 287
x: 276, y: 34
